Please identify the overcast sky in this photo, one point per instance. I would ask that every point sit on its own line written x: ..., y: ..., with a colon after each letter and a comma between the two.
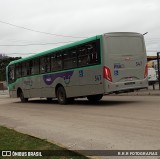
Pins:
x: 73, y: 20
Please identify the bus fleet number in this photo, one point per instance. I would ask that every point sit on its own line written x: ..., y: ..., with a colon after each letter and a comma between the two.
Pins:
x: 98, y: 78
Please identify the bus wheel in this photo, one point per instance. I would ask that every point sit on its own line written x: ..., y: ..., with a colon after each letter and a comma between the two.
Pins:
x: 61, y: 95
x: 95, y: 98
x: 23, y: 100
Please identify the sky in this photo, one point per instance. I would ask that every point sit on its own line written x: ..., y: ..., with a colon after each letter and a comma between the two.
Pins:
x: 31, y: 26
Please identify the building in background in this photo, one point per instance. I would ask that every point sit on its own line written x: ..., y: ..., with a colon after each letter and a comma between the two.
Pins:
x: 152, y: 63
x: 3, y: 85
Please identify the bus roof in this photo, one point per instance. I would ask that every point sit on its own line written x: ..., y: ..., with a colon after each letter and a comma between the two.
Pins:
x: 56, y: 49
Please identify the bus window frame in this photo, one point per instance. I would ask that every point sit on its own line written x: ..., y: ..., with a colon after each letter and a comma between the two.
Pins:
x: 57, y: 54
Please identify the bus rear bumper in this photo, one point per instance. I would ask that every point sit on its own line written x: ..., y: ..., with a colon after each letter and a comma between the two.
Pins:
x: 127, y: 90
x: 125, y: 87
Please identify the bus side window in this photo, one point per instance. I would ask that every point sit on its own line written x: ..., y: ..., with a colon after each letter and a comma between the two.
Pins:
x: 82, y: 56
x: 18, y: 70
x: 58, y: 61
x: 47, y: 64
x: 35, y: 69
x: 88, y: 55
x: 70, y: 58
x: 24, y: 69
x: 74, y: 57
x: 29, y: 66
x: 92, y: 53
x: 11, y: 73
x: 53, y: 62
x: 42, y: 64
x: 66, y: 56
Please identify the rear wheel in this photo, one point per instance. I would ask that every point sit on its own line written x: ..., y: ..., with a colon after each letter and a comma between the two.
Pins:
x: 95, y: 98
x: 61, y: 95
x: 22, y: 98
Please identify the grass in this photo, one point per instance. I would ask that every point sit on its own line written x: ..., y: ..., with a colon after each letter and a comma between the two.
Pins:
x: 13, y: 140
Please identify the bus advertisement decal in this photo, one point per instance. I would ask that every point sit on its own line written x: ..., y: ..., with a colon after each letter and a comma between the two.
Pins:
x: 50, y: 78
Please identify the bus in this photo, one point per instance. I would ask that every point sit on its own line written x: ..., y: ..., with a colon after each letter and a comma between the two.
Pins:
x: 104, y: 64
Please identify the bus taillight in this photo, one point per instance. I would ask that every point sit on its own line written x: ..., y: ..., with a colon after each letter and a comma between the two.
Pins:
x: 146, y: 71
x: 107, y: 73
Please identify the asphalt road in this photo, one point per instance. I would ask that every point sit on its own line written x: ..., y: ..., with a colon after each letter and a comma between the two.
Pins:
x: 116, y: 123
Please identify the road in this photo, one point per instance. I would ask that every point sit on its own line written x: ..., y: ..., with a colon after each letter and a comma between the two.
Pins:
x: 116, y: 123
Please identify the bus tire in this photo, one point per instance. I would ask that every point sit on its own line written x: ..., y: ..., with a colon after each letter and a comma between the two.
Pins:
x: 23, y: 100
x: 95, y: 98
x: 61, y: 95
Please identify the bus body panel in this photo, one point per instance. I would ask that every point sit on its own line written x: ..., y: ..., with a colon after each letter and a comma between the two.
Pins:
x: 85, y: 81
x: 125, y: 56
x: 82, y: 82
x: 122, y: 54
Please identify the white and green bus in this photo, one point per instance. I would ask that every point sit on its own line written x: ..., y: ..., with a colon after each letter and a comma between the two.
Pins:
x: 104, y: 64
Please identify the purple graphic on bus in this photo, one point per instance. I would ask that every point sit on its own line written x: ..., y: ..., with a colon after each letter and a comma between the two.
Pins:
x: 49, y: 79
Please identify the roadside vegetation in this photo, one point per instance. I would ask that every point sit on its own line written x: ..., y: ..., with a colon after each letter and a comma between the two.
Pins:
x: 13, y: 140
x: 4, y: 61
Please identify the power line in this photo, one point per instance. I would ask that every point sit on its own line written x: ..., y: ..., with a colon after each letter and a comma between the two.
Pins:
x: 20, y: 54
x: 37, y: 44
x: 37, y: 31
x: 148, y: 41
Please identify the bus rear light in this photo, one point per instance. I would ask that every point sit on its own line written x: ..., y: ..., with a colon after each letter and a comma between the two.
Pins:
x: 107, y: 73
x: 146, y: 71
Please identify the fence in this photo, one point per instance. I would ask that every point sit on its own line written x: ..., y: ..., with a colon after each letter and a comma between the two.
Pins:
x: 3, y: 85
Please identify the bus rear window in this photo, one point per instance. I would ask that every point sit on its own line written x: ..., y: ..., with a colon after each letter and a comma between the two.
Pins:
x: 125, y: 45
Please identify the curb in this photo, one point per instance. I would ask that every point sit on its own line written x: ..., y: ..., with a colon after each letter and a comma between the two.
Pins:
x: 143, y: 93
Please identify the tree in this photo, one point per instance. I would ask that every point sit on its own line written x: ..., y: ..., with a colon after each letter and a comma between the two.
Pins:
x: 3, y: 64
